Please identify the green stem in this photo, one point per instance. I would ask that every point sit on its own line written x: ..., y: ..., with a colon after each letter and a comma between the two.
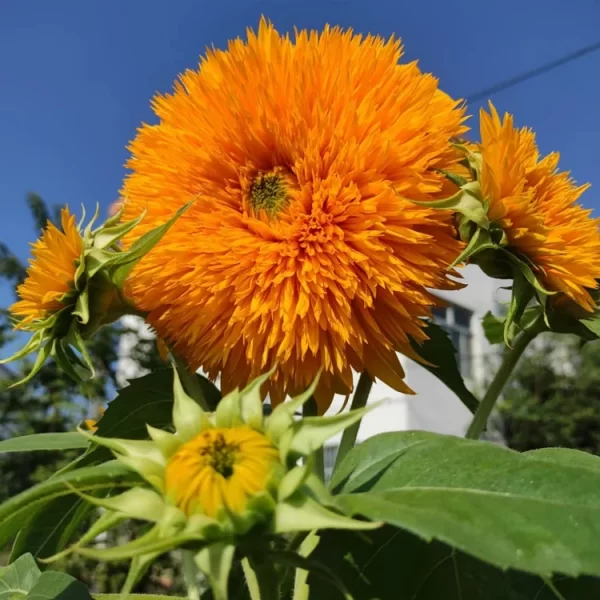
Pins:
x: 509, y: 362
x: 266, y: 577
x: 190, y: 574
x: 359, y: 400
x: 190, y: 382
x: 310, y: 410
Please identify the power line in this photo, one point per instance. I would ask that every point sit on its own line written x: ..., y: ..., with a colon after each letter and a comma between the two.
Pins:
x: 508, y: 83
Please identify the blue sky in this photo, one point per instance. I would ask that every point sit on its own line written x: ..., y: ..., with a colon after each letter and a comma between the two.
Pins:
x: 77, y: 78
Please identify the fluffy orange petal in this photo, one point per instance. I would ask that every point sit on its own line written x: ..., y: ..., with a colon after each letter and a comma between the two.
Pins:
x: 302, y: 247
x: 537, y: 206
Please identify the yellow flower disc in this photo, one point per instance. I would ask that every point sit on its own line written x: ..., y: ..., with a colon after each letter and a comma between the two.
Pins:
x: 220, y: 468
x: 301, y: 248
x: 51, y: 272
x: 536, y: 205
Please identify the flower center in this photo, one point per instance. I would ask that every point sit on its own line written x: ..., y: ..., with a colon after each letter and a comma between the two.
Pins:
x: 220, y: 455
x: 220, y: 467
x: 268, y: 192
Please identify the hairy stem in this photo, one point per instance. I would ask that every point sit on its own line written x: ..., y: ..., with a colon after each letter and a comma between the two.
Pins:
x: 359, y: 400
x: 310, y: 410
x: 509, y: 362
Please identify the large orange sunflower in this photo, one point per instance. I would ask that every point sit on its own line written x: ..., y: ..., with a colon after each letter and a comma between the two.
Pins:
x: 302, y: 247
x: 51, y: 273
x: 536, y: 205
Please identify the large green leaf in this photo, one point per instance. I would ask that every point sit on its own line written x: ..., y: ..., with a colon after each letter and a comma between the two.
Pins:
x: 391, y: 564
x: 523, y: 511
x: 22, y: 580
x: 441, y: 353
x: 52, y: 527
x: 18, y: 578
x: 16, y: 512
x: 58, y: 586
x: 44, y: 441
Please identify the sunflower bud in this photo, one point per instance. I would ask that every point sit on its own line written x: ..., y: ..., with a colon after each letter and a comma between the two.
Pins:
x: 232, y: 479
x: 74, y: 285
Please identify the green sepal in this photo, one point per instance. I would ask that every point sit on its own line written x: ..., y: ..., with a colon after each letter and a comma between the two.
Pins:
x: 259, y: 509
x: 106, y: 521
x: 229, y: 410
x: 142, y: 456
x: 34, y: 342
x: 110, y: 233
x: 154, y: 541
x: 252, y: 403
x: 480, y: 241
x: 302, y: 513
x: 82, y: 305
x: 215, y: 562
x: 139, y: 565
x: 166, y: 442
x: 45, y: 351
x: 64, y: 358
x: 293, y: 480
x: 305, y: 436
x: 87, y: 232
x: 127, y: 260
x: 282, y: 416
x: 188, y: 415
x: 467, y: 201
x: 137, y: 503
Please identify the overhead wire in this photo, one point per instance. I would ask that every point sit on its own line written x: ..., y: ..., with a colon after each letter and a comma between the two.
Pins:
x: 527, y: 75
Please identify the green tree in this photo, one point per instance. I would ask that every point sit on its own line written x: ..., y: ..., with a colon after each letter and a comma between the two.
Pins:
x: 553, y: 398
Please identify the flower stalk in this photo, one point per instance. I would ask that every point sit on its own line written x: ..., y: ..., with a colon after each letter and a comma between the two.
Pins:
x: 509, y: 362
x: 359, y: 400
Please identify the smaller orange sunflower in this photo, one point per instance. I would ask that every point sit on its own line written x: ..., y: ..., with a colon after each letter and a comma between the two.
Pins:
x: 51, y: 273
x: 536, y: 206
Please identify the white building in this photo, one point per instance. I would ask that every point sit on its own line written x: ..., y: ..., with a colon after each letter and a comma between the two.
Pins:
x: 434, y: 407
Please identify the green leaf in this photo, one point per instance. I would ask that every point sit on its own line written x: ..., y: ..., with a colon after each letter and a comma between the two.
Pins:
x: 593, y: 325
x: 493, y: 328
x: 390, y: 564
x: 512, y: 510
x: 17, y: 512
x: 51, y: 527
x: 58, y: 586
x: 441, y: 353
x: 44, y: 441
x: 563, y: 322
x: 18, y: 578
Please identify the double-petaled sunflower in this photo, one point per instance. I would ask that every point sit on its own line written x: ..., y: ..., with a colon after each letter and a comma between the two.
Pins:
x: 536, y: 206
x: 303, y: 248
x: 49, y: 286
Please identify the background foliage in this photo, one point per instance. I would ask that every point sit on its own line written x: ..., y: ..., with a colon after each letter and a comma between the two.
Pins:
x: 553, y: 397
